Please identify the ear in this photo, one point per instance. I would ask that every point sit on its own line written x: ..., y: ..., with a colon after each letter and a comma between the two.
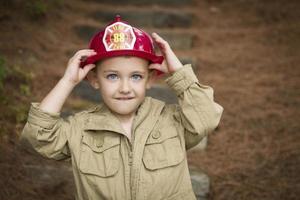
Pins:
x: 92, y: 79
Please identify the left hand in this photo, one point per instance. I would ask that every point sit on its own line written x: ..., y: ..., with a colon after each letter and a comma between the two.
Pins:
x: 171, y: 62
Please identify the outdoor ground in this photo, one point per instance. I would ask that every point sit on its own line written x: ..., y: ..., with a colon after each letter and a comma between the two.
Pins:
x: 247, y: 50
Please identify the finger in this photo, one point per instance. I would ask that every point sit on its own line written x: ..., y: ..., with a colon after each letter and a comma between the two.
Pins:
x: 159, y: 40
x: 158, y: 67
x: 154, y: 66
x: 81, y: 54
x: 157, y: 37
x: 87, y: 68
x: 158, y: 52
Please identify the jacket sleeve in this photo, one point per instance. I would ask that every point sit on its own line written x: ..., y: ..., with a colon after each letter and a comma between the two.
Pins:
x: 197, y: 111
x: 47, y: 133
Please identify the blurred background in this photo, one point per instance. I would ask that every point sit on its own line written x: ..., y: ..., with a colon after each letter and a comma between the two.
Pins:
x: 247, y: 50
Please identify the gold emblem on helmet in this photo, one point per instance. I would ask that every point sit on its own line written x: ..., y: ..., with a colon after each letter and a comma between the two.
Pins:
x: 118, y: 36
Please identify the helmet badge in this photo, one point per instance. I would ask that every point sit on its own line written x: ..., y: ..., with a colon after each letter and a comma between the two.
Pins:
x: 119, y: 36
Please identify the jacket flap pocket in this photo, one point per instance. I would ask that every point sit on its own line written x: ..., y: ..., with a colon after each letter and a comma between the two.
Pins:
x: 100, y: 154
x: 100, y: 142
x: 163, y: 155
x: 159, y: 136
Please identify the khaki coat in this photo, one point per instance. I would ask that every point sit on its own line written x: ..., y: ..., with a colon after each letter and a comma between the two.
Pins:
x: 151, y: 165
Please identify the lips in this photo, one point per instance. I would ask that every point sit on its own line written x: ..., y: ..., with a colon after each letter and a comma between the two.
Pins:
x: 124, y: 98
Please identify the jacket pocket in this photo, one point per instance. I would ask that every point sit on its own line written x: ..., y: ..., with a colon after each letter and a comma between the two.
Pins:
x: 163, y: 149
x: 100, y: 154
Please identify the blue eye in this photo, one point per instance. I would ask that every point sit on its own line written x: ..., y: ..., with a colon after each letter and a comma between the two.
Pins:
x: 136, y: 77
x: 112, y: 76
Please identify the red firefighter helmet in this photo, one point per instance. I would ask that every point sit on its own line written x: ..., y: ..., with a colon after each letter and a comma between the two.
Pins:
x: 118, y: 39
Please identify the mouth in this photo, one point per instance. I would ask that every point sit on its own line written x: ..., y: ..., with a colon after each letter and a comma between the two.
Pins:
x: 124, y: 98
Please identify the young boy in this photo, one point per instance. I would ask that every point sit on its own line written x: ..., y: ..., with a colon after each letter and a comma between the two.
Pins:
x: 130, y: 146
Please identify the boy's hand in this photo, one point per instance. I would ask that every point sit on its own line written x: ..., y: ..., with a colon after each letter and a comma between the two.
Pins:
x: 74, y: 73
x: 171, y: 62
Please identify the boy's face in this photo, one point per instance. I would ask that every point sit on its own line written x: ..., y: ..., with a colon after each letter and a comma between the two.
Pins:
x: 122, y: 82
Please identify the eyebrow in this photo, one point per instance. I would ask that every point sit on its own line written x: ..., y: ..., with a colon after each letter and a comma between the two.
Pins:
x: 140, y: 72
x: 107, y: 71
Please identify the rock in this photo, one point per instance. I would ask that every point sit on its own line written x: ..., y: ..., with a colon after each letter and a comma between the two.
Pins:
x: 85, y: 32
x: 162, y: 93
x: 200, y: 183
x: 181, y: 41
x: 157, y: 19
x: 57, y: 178
x: 85, y: 91
x: 201, y: 146
x: 189, y: 60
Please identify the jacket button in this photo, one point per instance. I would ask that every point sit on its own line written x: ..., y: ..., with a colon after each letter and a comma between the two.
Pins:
x: 156, y: 135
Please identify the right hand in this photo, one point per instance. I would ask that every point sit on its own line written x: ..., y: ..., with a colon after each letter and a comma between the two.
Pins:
x: 171, y: 62
x: 74, y: 73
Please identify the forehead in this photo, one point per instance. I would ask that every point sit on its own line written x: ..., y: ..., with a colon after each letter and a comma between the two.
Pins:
x: 123, y: 64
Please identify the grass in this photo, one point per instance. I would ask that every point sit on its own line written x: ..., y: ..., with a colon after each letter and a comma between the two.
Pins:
x: 15, y: 89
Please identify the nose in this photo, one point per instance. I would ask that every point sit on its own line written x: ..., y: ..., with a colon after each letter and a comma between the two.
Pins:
x: 125, y: 87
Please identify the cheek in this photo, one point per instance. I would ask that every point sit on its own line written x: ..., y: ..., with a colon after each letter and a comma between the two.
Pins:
x: 108, y: 89
x: 141, y: 88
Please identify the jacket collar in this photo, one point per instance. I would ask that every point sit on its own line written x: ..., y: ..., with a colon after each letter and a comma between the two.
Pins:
x: 101, y: 118
x: 150, y: 109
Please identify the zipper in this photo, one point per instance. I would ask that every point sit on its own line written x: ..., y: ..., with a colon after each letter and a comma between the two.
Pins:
x: 130, y: 156
x: 131, y: 144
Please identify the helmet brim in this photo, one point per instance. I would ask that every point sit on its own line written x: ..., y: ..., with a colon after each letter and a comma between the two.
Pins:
x: 151, y: 57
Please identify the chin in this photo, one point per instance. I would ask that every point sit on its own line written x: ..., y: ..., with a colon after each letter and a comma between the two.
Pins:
x: 123, y: 112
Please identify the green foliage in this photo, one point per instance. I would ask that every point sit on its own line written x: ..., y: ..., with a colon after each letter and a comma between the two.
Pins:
x: 20, y: 75
x: 57, y: 3
x: 39, y: 8
x: 3, y: 73
x: 36, y: 8
x: 25, y: 89
x: 20, y: 112
x: 14, y: 89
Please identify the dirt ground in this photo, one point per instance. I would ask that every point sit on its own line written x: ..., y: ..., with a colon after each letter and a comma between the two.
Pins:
x: 247, y: 50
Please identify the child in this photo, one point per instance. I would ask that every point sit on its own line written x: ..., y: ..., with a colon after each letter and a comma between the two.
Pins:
x: 131, y: 146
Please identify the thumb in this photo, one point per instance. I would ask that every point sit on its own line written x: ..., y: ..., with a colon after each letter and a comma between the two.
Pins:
x: 87, y: 68
x: 159, y: 67
x: 154, y: 66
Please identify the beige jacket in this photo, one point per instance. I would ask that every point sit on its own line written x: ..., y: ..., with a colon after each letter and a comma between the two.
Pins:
x: 150, y: 166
